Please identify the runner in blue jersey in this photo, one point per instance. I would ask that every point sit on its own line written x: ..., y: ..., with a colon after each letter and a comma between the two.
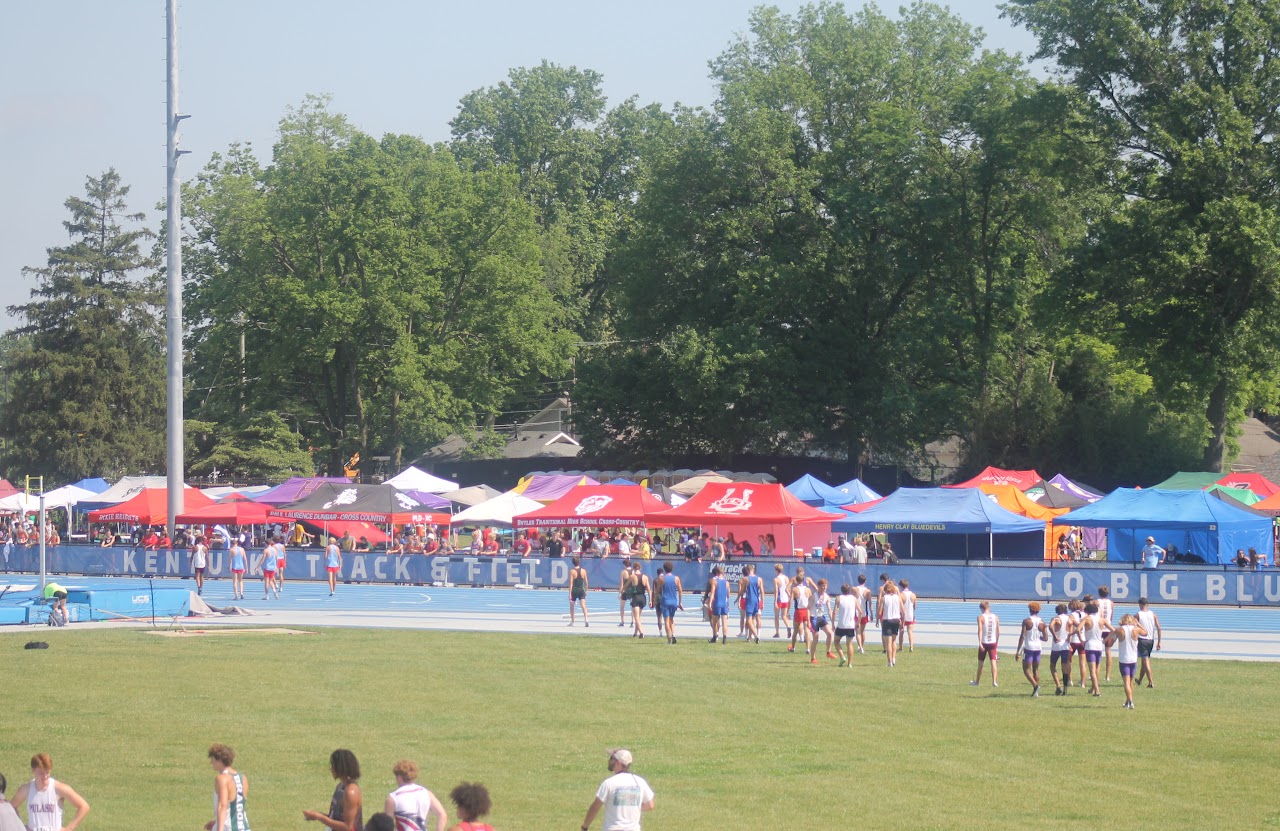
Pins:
x: 751, y: 598
x: 718, y: 604
x: 670, y: 596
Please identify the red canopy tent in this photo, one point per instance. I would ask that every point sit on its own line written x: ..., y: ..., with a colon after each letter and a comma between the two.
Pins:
x: 1255, y: 482
x: 748, y: 505
x: 234, y: 510
x: 596, y: 506
x: 1020, y: 479
x: 149, y: 507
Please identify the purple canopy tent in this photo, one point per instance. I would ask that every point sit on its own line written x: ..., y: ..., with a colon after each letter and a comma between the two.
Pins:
x: 291, y: 490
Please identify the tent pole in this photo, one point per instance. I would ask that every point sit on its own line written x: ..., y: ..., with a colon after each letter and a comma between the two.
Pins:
x: 44, y: 572
x: 991, y: 541
x: 911, y: 546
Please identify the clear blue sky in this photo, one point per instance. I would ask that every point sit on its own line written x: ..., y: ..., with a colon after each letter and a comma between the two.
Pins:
x: 83, y: 80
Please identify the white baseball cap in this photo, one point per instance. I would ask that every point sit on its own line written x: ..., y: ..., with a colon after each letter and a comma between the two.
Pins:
x: 623, y: 756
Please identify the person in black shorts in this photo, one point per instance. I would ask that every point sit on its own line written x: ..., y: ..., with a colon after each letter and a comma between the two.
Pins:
x: 639, y: 592
x: 578, y: 591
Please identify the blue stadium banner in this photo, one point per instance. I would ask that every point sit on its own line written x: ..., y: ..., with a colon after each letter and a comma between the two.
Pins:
x: 1216, y: 585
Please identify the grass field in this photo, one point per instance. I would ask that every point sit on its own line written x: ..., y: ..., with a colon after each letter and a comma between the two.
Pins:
x: 730, y: 737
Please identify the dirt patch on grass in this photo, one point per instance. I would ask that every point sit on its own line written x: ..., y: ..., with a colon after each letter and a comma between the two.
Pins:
x: 230, y: 630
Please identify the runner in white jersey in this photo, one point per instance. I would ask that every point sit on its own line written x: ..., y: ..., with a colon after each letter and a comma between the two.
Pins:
x: 410, y: 804
x: 802, y: 591
x: 1152, y: 640
x: 1031, y: 638
x: 1060, y: 632
x: 1094, y: 637
x: 781, y: 599
x: 908, y: 630
x: 44, y: 796
x: 847, y: 613
x: 863, y: 595
x: 889, y: 615
x: 229, y: 790
x: 988, y: 643
x: 1077, y: 636
x: 1127, y: 637
x: 1105, y: 610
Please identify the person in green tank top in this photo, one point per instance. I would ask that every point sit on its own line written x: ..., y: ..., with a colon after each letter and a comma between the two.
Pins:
x: 578, y: 591
x: 56, y: 593
x: 229, y: 790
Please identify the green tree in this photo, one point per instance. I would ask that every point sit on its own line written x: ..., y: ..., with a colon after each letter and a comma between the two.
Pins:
x: 87, y: 374
x: 248, y: 448
x: 846, y: 252
x: 579, y: 165
x: 384, y: 292
x: 1190, y: 269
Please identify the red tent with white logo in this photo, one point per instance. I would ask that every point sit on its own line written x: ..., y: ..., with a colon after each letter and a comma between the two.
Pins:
x: 596, y: 506
x: 1020, y: 479
x: 752, y: 508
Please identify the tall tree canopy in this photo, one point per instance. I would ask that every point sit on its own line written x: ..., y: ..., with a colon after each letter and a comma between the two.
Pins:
x: 846, y: 252
x: 1189, y: 269
x: 86, y: 374
x: 386, y: 295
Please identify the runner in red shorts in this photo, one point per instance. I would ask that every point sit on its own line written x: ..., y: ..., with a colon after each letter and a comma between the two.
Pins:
x: 802, y: 593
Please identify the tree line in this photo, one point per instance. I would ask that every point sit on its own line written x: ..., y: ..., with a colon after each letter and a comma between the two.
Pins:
x: 880, y: 234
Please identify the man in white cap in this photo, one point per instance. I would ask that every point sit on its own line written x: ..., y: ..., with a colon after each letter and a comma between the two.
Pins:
x: 1152, y: 554
x: 624, y: 796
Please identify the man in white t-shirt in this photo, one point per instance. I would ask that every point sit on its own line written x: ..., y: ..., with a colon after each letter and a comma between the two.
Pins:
x: 623, y: 795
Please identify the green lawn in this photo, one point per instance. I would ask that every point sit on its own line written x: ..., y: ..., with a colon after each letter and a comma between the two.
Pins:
x: 731, y: 737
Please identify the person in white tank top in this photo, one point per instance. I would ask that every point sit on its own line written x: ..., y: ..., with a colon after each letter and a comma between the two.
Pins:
x: 889, y: 614
x: 988, y: 643
x: 410, y: 804
x: 230, y: 787
x: 1127, y: 637
x: 802, y: 591
x: 1151, y: 641
x: 908, y: 632
x: 44, y: 796
x: 1031, y: 638
x: 846, y: 624
x: 863, y: 596
x: 1105, y: 611
x: 1060, y: 630
x: 1094, y: 638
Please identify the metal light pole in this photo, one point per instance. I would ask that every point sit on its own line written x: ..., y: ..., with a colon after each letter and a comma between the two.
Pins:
x: 173, y: 200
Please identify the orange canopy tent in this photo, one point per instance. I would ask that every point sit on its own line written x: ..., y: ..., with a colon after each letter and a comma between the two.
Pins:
x: 235, y: 510
x: 1011, y: 499
x: 149, y: 507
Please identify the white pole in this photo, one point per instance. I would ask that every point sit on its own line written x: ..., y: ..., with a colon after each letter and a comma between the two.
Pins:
x: 44, y: 573
x: 173, y: 268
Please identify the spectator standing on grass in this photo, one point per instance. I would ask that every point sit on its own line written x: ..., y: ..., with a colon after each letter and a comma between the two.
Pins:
x: 8, y: 816
x: 578, y: 591
x: 471, y: 801
x: 346, y: 807
x: 410, y: 804
x: 624, y: 796
x: 230, y: 788
x: 1150, y: 641
x: 1031, y: 638
x: 44, y: 796
x: 988, y: 643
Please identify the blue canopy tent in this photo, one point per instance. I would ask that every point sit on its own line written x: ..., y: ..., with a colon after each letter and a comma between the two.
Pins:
x: 95, y: 484
x: 1193, y: 520
x: 854, y: 492
x: 815, y: 493
x: 939, y: 516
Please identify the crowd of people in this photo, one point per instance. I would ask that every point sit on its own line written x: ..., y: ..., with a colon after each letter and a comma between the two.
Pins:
x: 51, y: 805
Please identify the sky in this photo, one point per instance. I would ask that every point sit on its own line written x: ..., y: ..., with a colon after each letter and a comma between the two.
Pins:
x: 83, y: 81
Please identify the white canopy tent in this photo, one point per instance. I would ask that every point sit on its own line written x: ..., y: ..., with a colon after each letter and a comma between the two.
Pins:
x: 413, y: 479
x: 497, y: 511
